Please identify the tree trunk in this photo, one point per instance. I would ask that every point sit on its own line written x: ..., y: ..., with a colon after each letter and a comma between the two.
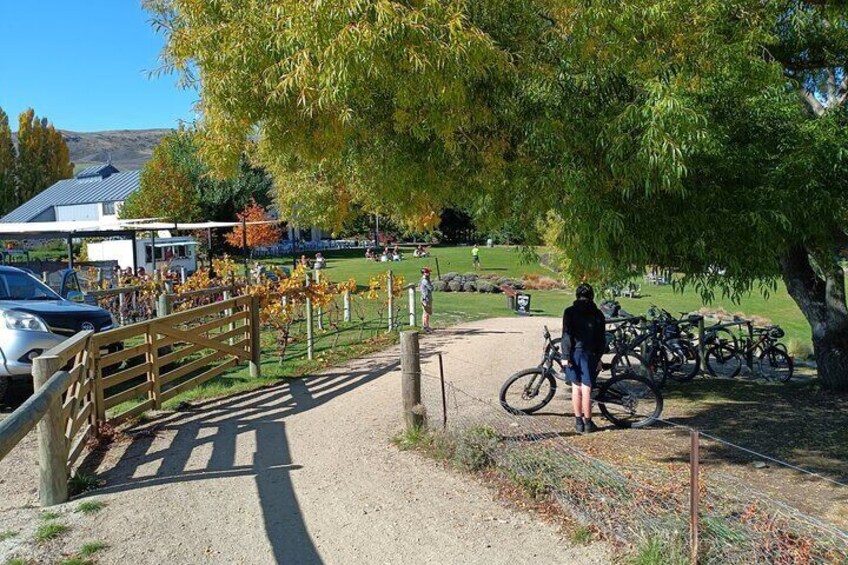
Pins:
x: 820, y: 294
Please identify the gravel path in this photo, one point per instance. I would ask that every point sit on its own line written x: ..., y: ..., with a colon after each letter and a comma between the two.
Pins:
x: 303, y: 473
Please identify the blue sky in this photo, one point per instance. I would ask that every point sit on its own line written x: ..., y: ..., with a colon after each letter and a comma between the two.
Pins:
x: 84, y: 65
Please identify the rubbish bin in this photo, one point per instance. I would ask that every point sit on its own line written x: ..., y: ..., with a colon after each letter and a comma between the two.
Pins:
x: 522, y: 304
x: 490, y: 242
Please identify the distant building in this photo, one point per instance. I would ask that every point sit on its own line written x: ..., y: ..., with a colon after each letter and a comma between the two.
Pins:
x: 96, y: 193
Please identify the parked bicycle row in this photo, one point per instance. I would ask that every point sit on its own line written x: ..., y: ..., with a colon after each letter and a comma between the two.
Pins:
x: 664, y: 347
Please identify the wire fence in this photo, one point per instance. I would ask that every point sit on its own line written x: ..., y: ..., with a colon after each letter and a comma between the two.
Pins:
x: 635, y: 500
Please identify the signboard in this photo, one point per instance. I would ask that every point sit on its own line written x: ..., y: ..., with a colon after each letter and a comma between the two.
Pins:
x: 522, y: 304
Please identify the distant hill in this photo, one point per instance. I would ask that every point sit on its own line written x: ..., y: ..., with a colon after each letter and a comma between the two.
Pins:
x: 129, y: 148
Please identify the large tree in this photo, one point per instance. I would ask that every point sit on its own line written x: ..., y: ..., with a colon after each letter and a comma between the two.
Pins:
x: 7, y: 165
x: 175, y: 184
x: 706, y: 135
x: 42, y: 156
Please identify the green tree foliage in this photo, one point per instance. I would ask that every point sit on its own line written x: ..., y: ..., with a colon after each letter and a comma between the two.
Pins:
x: 7, y: 165
x: 175, y: 184
x: 705, y: 135
x: 42, y: 157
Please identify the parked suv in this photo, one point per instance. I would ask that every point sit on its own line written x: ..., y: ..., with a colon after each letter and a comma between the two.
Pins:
x: 33, y: 319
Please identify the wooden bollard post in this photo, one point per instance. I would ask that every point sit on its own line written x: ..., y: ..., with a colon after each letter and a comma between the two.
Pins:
x: 52, y: 450
x: 694, y: 493
x: 346, y: 305
x: 412, y: 306
x: 410, y: 364
x: 390, y: 288
x: 255, y: 343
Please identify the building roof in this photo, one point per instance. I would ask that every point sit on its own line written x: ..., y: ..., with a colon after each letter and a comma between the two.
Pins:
x: 113, y: 188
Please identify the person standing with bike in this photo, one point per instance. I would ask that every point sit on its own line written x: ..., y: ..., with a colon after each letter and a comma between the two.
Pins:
x: 583, y: 342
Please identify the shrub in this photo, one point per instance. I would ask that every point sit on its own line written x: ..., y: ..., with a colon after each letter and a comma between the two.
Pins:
x: 538, y: 282
x: 469, y: 286
x: 799, y: 350
x: 454, y: 286
x: 474, y: 448
x: 49, y: 531
x: 440, y: 286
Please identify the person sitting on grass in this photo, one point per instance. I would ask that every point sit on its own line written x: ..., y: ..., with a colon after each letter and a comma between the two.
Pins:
x: 426, y: 289
x: 320, y: 262
x: 583, y: 342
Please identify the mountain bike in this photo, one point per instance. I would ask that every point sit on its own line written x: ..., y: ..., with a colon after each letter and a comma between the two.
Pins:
x: 627, y: 400
x: 725, y: 358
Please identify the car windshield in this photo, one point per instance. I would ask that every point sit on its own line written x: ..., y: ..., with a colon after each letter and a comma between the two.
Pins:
x: 22, y: 286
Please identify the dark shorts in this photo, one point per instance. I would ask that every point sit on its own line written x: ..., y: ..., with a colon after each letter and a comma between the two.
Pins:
x: 583, y: 370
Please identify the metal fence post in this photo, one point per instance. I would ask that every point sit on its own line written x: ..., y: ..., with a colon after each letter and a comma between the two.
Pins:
x: 255, y: 339
x: 410, y: 363
x: 122, y: 307
x: 412, y: 312
x: 390, y: 288
x: 346, y: 303
x: 52, y: 448
x: 320, y: 311
x: 444, y: 396
x: 694, y: 493
x: 182, y: 275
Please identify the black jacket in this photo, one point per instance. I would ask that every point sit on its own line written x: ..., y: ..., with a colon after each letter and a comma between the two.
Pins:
x: 583, y: 328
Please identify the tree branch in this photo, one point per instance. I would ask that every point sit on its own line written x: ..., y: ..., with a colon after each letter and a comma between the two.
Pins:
x: 811, y: 100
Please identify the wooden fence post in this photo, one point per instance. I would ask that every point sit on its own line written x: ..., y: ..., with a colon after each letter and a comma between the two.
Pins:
x: 153, y: 358
x: 182, y: 275
x: 390, y: 287
x: 410, y: 363
x: 310, y: 337
x: 412, y: 307
x: 346, y: 303
x: 694, y: 493
x: 229, y: 312
x: 255, y: 342
x: 163, y: 306
x: 52, y: 448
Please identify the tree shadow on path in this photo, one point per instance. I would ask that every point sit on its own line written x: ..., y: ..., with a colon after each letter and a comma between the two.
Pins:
x: 174, y: 444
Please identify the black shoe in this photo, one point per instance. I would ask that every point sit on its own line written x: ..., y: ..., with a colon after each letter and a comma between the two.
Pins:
x: 589, y: 426
x: 578, y: 426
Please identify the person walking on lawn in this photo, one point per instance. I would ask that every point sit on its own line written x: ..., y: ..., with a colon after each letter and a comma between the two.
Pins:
x: 475, y: 254
x: 583, y: 341
x: 426, y: 288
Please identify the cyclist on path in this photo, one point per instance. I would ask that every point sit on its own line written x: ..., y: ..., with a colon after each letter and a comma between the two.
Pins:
x: 426, y: 289
x: 583, y: 341
x: 475, y: 254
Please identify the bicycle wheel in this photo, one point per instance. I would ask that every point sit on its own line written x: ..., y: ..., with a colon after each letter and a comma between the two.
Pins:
x: 527, y: 391
x: 776, y: 365
x: 630, y: 401
x: 630, y: 360
x: 722, y: 361
x: 683, y: 362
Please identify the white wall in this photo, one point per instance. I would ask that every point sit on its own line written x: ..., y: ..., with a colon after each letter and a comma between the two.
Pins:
x: 119, y: 250
x: 78, y: 212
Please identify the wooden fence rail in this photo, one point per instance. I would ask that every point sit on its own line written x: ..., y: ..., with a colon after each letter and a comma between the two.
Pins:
x: 92, y: 378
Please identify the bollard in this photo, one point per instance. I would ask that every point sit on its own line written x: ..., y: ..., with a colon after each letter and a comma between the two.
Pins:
x: 346, y: 302
x: 410, y: 364
x: 412, y: 312
x: 390, y: 288
x: 694, y: 493
x: 52, y: 446
x: 44, y: 276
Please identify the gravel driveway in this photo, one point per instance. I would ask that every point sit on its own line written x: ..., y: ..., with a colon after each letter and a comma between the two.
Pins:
x: 303, y: 473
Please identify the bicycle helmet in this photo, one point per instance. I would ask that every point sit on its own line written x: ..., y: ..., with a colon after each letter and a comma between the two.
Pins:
x: 585, y: 291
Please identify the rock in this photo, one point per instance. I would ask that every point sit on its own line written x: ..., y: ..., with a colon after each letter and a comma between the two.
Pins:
x: 760, y: 465
x: 448, y: 277
x: 454, y: 286
x: 469, y: 286
x: 440, y: 286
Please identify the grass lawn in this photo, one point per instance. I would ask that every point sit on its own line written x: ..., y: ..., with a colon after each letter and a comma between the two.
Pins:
x: 451, y: 308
